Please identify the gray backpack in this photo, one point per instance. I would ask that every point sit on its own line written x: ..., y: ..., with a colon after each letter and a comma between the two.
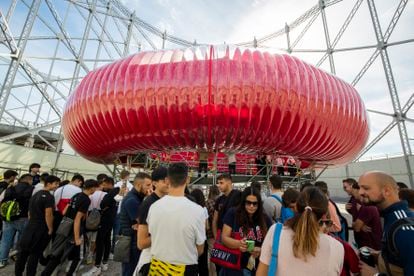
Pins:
x: 93, y: 220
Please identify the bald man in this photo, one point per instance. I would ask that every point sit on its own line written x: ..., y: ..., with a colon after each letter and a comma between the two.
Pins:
x: 380, y: 189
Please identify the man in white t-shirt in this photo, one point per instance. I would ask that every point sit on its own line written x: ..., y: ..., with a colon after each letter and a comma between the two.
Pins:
x: 65, y: 193
x: 41, y: 185
x: 176, y: 226
x: 272, y: 205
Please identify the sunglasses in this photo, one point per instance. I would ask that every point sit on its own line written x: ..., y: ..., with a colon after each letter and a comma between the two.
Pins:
x: 327, y: 222
x: 253, y: 203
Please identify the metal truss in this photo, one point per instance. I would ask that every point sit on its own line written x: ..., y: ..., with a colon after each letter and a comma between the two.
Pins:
x: 32, y: 94
x: 390, y: 77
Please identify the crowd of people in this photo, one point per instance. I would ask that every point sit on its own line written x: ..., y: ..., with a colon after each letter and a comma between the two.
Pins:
x: 156, y: 225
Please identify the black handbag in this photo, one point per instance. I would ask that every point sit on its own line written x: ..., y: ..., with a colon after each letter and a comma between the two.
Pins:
x: 65, y: 227
x: 122, y: 249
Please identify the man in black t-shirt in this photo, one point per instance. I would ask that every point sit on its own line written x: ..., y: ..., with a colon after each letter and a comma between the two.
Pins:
x: 21, y: 193
x: 229, y: 198
x: 69, y: 246
x: 144, y: 239
x: 9, y: 177
x: 37, y: 233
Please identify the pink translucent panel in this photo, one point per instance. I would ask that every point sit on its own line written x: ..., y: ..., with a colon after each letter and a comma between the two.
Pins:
x: 215, y: 98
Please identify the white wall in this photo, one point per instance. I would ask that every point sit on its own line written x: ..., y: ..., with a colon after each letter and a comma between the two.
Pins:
x: 14, y: 156
x: 395, y: 166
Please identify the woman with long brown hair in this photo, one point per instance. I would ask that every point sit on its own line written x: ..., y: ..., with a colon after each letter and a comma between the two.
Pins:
x: 249, y: 221
x: 303, y: 247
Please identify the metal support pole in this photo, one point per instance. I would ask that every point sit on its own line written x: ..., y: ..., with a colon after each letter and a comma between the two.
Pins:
x: 58, y: 150
x: 15, y: 62
x: 347, y: 171
x: 101, y: 36
x: 51, y: 66
x: 83, y: 45
x: 164, y: 37
x: 287, y: 30
x: 329, y: 50
x: 12, y: 7
x: 391, y: 87
x: 129, y: 35
x: 77, y: 68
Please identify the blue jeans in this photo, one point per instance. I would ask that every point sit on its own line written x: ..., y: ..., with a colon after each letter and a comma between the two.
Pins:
x: 9, y: 229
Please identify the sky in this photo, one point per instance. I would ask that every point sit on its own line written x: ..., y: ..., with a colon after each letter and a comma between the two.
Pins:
x: 218, y: 22
x: 230, y: 22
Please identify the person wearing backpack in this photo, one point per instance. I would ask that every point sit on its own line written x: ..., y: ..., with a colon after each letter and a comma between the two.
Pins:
x: 272, y: 205
x: 39, y: 229
x: 69, y: 233
x: 63, y: 196
x: 9, y: 177
x: 300, y: 247
x: 14, y: 212
x: 109, y: 209
x: 289, y: 198
x: 396, y: 255
x: 93, y: 219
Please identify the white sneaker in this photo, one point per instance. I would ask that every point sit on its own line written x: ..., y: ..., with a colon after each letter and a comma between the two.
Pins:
x: 104, y: 266
x: 94, y: 271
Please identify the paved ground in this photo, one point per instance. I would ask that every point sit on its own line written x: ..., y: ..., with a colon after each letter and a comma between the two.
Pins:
x: 114, y: 270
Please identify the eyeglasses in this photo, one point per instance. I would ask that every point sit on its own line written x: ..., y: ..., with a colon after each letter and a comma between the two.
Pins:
x: 327, y: 222
x: 254, y: 203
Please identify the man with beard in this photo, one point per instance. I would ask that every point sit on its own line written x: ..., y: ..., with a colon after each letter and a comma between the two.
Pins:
x: 129, y: 218
x: 380, y: 189
x: 367, y: 223
x: 351, y: 206
x: 230, y: 198
x: 144, y: 239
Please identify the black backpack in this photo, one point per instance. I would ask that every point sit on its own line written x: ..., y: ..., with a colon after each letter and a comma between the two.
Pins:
x: 93, y: 220
x: 392, y: 250
x: 397, y: 225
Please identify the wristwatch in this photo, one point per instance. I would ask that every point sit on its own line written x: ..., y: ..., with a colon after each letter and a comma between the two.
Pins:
x: 380, y: 274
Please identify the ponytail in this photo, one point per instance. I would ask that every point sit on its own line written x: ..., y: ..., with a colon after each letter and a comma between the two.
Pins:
x: 305, y: 239
x: 312, y: 204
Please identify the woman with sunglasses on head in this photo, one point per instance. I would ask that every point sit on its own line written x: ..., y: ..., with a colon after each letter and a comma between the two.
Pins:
x: 250, y: 222
x: 304, y: 249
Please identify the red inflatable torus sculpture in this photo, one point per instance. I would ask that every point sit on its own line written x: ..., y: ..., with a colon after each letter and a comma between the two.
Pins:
x: 218, y: 99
